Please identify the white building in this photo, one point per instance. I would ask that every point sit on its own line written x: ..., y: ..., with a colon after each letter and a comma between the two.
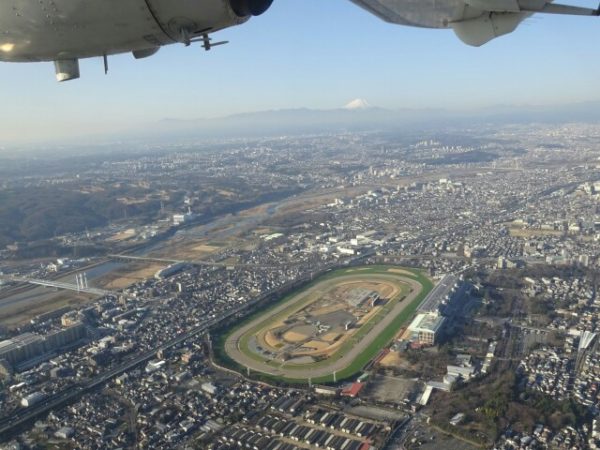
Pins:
x: 179, y: 219
x: 209, y: 388
x: 425, y: 328
x: 154, y: 366
x: 32, y: 399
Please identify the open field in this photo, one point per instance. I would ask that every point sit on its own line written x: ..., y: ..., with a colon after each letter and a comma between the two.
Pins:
x: 388, y: 389
x: 122, y: 236
x: 128, y: 276
x: 15, y: 314
x: 189, y: 249
x: 392, y: 359
x: 338, y: 323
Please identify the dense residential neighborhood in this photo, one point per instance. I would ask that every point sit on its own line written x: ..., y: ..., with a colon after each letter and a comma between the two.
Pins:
x: 506, y: 225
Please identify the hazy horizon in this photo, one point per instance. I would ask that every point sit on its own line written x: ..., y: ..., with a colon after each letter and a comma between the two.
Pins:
x: 304, y: 121
x: 292, y: 57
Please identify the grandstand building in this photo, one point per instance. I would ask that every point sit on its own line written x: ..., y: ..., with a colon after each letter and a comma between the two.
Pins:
x: 426, y: 327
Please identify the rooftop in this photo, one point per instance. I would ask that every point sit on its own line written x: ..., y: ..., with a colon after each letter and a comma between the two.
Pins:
x: 427, y: 322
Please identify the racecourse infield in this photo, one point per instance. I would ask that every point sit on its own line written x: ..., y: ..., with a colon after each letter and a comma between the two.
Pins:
x: 237, y: 348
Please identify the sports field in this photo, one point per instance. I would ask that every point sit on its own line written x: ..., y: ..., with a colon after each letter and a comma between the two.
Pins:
x: 334, y: 325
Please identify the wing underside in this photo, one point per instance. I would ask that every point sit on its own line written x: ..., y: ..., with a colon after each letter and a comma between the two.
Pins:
x: 475, y: 22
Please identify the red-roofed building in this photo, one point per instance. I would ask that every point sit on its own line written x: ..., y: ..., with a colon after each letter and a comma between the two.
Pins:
x: 353, y: 390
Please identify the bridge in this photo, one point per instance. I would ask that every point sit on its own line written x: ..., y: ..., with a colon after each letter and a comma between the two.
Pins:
x: 80, y: 287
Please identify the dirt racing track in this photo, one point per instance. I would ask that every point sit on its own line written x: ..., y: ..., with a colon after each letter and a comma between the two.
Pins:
x: 336, y: 325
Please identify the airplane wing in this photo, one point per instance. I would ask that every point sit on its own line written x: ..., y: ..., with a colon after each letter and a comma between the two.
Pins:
x: 475, y: 22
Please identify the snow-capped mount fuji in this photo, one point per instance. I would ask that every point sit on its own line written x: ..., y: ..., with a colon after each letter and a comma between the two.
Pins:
x: 358, y: 104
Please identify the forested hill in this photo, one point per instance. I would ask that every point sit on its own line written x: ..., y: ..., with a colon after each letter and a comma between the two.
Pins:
x: 29, y: 214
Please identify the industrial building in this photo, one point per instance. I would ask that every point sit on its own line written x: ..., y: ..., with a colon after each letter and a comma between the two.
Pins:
x: 180, y: 219
x: 170, y: 270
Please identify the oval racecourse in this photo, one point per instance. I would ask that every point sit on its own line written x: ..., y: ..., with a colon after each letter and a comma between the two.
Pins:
x: 336, y: 324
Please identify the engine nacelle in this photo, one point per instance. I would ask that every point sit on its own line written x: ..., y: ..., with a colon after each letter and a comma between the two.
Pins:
x: 75, y: 29
x: 486, y: 27
x: 250, y: 7
x: 196, y: 17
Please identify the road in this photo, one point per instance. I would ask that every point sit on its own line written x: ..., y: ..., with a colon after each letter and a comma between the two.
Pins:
x: 233, y: 341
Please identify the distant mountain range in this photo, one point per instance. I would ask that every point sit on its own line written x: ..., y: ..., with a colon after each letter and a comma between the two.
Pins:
x: 356, y: 116
x: 295, y: 121
x: 359, y: 115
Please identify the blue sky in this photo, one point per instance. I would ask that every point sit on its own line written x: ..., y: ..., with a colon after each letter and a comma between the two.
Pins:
x: 308, y: 53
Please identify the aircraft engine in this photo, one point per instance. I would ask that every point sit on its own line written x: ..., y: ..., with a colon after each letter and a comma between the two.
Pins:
x: 185, y: 19
x: 250, y: 7
x: 70, y: 30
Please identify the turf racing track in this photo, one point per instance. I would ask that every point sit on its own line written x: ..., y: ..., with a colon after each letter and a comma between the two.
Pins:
x: 353, y: 351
